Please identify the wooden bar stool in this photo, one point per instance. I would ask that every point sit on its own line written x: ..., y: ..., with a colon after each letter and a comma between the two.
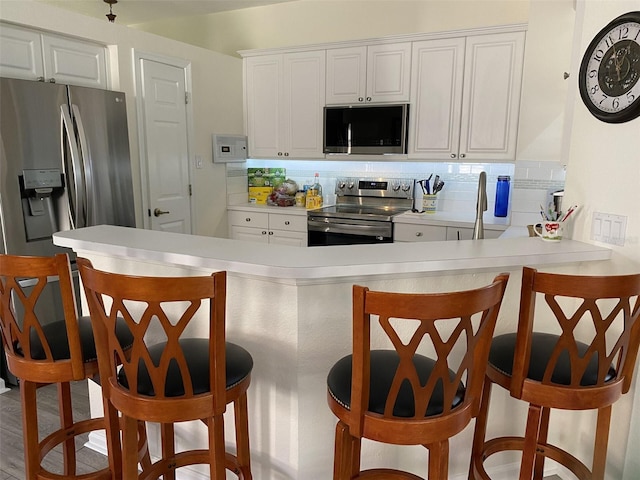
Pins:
x: 56, y: 351
x: 587, y: 365
x: 177, y: 379
x: 400, y: 396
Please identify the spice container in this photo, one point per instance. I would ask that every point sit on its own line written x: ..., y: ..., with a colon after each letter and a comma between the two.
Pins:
x: 300, y: 198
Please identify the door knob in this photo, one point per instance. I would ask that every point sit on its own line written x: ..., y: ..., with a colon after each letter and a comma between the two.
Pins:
x: 157, y: 212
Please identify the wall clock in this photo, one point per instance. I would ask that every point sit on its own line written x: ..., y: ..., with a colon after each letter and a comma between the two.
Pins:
x: 609, y: 77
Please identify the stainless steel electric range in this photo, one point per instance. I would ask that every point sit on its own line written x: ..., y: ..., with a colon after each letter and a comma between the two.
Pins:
x: 363, y: 212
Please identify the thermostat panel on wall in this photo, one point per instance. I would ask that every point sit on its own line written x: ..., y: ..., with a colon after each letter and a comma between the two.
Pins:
x: 229, y: 148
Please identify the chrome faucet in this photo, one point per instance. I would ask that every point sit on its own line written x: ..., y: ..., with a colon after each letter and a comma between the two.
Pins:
x: 481, y: 207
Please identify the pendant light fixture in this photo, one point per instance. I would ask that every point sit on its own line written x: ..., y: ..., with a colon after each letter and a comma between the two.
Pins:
x: 111, y: 15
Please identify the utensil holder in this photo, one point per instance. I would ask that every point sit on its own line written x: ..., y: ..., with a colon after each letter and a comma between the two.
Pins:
x: 429, y: 203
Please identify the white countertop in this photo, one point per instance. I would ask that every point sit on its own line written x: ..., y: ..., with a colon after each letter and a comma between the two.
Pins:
x: 297, y: 265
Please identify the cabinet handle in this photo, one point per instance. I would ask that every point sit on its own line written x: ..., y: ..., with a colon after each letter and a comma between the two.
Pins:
x: 462, y: 155
x: 360, y: 99
x: 279, y: 154
x: 264, y: 232
x: 287, y: 222
x: 368, y: 99
x: 453, y: 155
x: 248, y: 219
x: 418, y: 234
x: 270, y: 233
x: 286, y: 154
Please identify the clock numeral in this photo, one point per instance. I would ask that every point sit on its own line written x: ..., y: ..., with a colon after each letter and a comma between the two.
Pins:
x: 615, y: 103
x: 630, y: 97
x: 604, y: 97
x: 593, y: 73
x: 622, y: 35
x: 609, y: 41
x: 595, y: 89
x: 597, y: 55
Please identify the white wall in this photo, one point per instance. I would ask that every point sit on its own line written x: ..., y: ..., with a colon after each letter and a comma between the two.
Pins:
x: 599, y: 150
x: 217, y: 95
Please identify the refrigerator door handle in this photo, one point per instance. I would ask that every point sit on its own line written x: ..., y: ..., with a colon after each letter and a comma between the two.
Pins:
x: 76, y: 207
x: 85, y: 158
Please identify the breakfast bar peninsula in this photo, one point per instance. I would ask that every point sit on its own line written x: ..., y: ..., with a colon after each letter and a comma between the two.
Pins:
x: 291, y: 308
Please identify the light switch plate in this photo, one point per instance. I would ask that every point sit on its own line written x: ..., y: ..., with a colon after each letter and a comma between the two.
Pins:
x: 608, y: 228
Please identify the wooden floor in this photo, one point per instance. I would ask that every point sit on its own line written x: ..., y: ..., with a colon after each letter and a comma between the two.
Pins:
x: 11, y: 446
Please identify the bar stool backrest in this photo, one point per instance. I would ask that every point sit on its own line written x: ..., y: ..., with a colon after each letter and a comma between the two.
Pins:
x: 601, y: 312
x: 152, y: 307
x: 454, y: 329
x: 24, y: 283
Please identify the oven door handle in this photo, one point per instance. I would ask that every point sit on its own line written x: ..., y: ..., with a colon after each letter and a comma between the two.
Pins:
x: 350, y: 229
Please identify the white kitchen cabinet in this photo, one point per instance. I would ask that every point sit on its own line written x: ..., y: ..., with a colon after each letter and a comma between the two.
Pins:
x: 265, y: 227
x: 464, y: 233
x: 374, y: 73
x: 285, y: 97
x: 466, y: 97
x: 411, y: 232
x: 419, y: 232
x: 34, y: 55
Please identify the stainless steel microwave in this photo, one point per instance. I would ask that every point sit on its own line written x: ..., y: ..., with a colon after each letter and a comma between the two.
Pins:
x: 366, y: 129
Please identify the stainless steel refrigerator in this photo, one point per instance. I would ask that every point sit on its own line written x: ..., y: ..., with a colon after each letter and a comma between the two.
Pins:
x: 64, y: 163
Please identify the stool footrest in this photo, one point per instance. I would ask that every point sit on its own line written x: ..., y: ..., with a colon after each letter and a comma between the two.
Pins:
x: 386, y: 474
x: 501, y: 444
x: 62, y: 435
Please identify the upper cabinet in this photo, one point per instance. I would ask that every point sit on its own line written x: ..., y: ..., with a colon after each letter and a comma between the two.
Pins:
x: 375, y: 73
x: 284, y: 100
x: 35, y: 55
x: 465, y: 97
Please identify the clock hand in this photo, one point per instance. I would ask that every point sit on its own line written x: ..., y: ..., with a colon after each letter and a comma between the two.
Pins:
x: 615, y: 61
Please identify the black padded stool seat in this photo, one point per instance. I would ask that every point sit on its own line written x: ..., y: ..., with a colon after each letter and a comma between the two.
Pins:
x: 239, y: 364
x: 542, y: 347
x: 385, y: 364
x: 56, y: 335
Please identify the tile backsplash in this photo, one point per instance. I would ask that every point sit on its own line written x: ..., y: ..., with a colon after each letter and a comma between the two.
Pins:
x: 531, y: 182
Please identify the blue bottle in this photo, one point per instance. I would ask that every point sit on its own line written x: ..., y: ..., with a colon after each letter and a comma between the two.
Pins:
x: 502, y: 196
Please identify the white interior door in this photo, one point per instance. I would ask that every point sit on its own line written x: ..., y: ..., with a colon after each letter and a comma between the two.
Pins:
x: 166, y: 143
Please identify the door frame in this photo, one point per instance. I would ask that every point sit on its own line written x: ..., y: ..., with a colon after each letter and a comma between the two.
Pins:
x: 185, y: 65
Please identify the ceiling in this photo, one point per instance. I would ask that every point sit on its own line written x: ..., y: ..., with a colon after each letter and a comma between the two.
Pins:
x: 130, y: 12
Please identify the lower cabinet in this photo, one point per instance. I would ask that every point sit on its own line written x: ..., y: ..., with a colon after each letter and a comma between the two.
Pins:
x: 264, y: 227
x: 411, y: 232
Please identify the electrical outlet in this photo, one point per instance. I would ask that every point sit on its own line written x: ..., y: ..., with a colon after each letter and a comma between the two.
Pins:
x: 198, y: 161
x: 608, y: 228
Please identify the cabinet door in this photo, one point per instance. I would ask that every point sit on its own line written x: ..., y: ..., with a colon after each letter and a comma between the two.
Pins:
x: 389, y: 72
x: 74, y: 62
x: 291, y: 223
x: 409, y: 232
x: 263, y: 77
x: 436, y: 98
x: 346, y: 75
x: 491, y: 96
x: 20, y: 53
x: 292, y: 239
x: 304, y: 99
x: 249, y: 234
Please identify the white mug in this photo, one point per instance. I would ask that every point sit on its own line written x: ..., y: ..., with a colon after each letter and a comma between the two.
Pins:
x: 550, y: 231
